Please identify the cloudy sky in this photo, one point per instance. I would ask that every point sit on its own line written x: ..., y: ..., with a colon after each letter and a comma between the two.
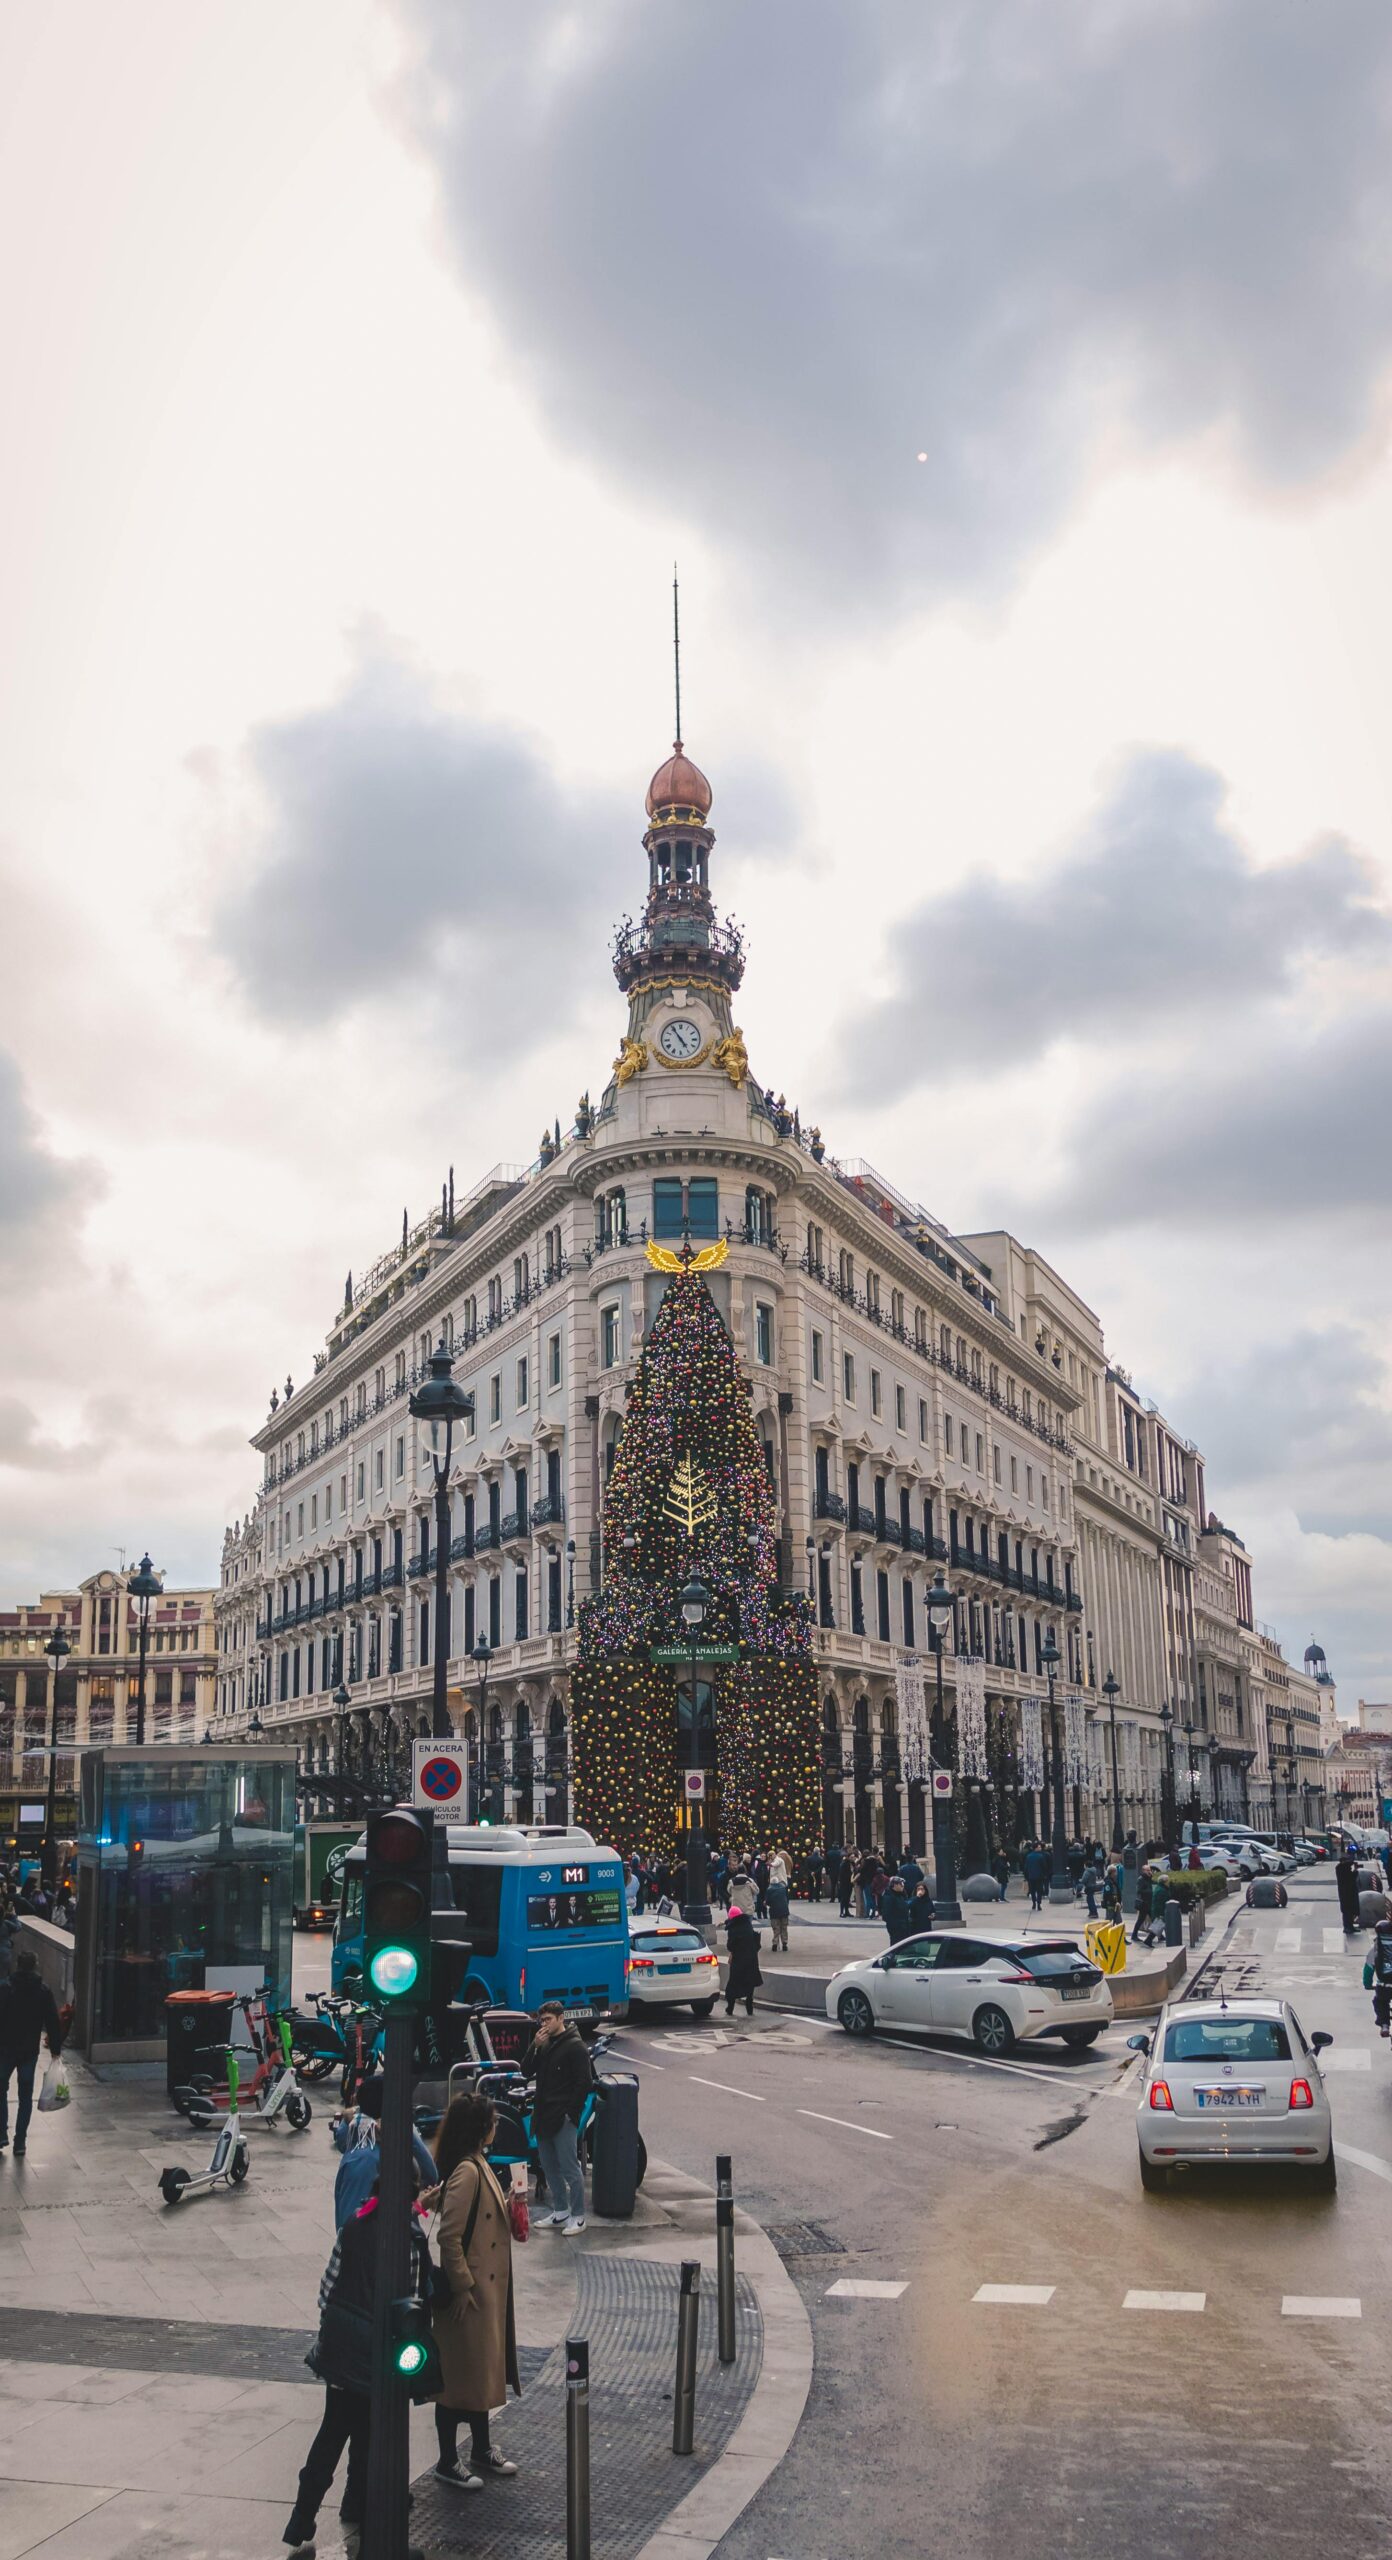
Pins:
x: 1011, y: 380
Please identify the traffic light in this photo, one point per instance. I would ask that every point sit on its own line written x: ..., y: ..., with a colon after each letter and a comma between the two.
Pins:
x: 396, y: 1908
x: 415, y: 2359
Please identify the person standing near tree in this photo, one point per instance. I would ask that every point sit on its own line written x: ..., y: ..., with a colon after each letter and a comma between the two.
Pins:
x: 845, y: 1883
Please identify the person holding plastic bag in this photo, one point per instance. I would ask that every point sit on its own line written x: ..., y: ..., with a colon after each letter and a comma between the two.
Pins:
x: 27, y: 2012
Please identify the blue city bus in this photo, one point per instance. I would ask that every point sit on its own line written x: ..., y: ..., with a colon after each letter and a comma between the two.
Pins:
x: 543, y: 1910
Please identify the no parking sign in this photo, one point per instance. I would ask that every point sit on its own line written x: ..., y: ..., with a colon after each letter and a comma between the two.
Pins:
x: 441, y: 1776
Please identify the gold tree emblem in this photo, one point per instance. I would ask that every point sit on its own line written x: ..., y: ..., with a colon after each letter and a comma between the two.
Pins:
x: 690, y: 1498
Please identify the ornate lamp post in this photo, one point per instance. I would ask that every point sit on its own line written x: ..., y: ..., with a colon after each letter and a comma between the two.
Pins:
x: 1169, y: 1810
x: 938, y: 1603
x: 1058, y: 1828
x: 1195, y: 1808
x: 440, y: 1403
x: 482, y: 1660
x: 342, y: 1702
x: 143, y: 1585
x: 57, y: 1649
x: 695, y: 1606
x: 1111, y: 1691
x: 570, y: 1582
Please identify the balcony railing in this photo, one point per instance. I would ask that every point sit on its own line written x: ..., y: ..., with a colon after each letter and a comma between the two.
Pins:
x: 861, y: 1518
x: 462, y: 1547
x: 829, y: 1506
x: 486, y: 1539
x: 549, y: 1512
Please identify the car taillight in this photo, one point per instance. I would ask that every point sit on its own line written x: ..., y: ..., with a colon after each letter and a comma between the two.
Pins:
x: 1302, y: 2095
x: 706, y: 1957
x: 1160, y: 2096
x: 1018, y: 1977
x: 640, y: 1964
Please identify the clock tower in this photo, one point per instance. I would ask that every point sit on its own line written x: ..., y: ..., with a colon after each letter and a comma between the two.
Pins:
x: 679, y: 964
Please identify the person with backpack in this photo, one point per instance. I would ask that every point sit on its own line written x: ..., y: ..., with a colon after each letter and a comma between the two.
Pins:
x: 475, y: 2331
x: 779, y: 1908
x: 558, y: 2061
x: 341, y: 2358
x: 28, y: 2011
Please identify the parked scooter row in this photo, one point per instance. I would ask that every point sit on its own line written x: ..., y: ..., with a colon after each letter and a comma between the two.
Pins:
x: 273, y: 2083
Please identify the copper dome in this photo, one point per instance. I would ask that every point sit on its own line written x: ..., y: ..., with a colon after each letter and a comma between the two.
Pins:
x: 679, y: 784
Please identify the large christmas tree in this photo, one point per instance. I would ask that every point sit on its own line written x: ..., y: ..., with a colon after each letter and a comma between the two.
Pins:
x: 690, y: 1495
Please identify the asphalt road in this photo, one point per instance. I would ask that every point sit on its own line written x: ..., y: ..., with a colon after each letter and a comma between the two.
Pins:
x: 1073, y: 2424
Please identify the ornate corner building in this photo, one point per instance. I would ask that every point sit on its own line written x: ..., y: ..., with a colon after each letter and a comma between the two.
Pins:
x: 923, y: 1402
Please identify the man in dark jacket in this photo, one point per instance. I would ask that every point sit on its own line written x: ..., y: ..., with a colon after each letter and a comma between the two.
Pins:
x: 27, y: 2011
x: 894, y: 1910
x: 342, y: 2358
x: 558, y: 2061
x: 1346, y: 1886
x: 1038, y: 1869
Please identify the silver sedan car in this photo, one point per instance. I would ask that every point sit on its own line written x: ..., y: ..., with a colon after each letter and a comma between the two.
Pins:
x: 1233, y: 2081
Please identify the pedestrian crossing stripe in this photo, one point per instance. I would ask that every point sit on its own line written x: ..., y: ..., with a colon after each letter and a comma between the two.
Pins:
x: 1034, y: 2296
x: 1321, y: 2306
x: 865, y: 2289
x: 1138, y: 2300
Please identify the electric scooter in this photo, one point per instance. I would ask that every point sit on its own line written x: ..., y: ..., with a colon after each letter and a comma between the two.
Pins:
x: 278, y: 2090
x: 231, y: 2158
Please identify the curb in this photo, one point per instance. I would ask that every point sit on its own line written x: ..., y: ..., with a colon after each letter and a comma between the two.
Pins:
x: 771, y: 2420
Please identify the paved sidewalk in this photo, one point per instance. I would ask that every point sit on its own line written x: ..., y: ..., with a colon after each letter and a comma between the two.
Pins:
x: 154, y: 2404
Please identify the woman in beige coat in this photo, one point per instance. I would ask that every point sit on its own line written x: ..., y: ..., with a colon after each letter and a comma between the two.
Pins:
x: 474, y: 2331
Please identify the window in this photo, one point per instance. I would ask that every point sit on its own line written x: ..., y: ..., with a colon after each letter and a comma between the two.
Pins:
x: 845, y: 1273
x: 553, y: 1361
x: 401, y: 1369
x: 900, y: 1409
x: 882, y: 1606
x: 361, y: 1485
x: 965, y: 1441
x: 758, y: 1216
x: 818, y: 1358
x: 379, y: 1469
x: 949, y: 1436
x: 400, y: 1459
x: 872, y: 1293
x: 816, y: 1251
x: 521, y: 1280
x: 693, y: 1206
x: 423, y: 1640
x: 923, y: 1420
x: 522, y: 1385
x: 613, y: 1217
x: 896, y: 1309
x: 468, y: 1319
x: 1029, y: 1484
x: 996, y: 1462
x: 609, y: 1338
x: 299, y: 1519
x: 945, y: 1345
x: 1014, y: 1475
x: 328, y: 1501
x: 848, y: 1377
x: 520, y: 1607
x: 314, y: 1511
x: 495, y: 1609
x: 907, y: 1596
x: 1044, y: 1491
x: 980, y: 1455
x: 495, y: 1398
x: 874, y: 1390
x: 379, y: 1386
x: 763, y: 1334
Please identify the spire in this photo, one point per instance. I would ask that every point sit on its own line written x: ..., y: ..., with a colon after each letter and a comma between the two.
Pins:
x: 676, y: 658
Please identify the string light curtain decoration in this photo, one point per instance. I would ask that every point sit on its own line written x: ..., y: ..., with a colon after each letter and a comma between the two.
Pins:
x: 971, y: 1716
x: 1031, y: 1744
x: 689, y: 1493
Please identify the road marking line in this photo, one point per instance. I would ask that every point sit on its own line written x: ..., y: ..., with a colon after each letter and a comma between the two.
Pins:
x: 1035, y: 2295
x: 1288, y: 1941
x: 1346, y: 2057
x: 725, y: 2087
x: 846, y: 2126
x: 1334, y: 1942
x: 864, y: 2289
x: 1365, y: 2160
x: 1321, y: 2306
x: 1137, y: 2300
x: 980, y: 2062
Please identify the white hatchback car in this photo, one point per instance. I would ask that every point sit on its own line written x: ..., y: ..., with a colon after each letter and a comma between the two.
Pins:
x: 999, y: 1993
x: 670, y: 1967
x: 1233, y: 2082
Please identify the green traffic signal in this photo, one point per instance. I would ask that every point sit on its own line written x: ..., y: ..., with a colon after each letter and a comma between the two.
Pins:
x: 393, y: 1971
x: 397, y: 1899
x: 411, y: 2357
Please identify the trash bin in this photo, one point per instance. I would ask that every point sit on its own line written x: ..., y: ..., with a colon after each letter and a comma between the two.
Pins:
x: 614, y: 2182
x: 198, y: 2032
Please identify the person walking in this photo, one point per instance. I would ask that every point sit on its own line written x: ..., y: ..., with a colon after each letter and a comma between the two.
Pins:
x: 814, y: 1876
x: 911, y: 1874
x: 894, y: 1910
x: 1037, y: 1873
x: 475, y: 2331
x: 1092, y: 1886
x: 341, y: 2357
x: 845, y: 1883
x: 557, y: 2060
x: 1346, y: 1886
x: 835, y: 1854
x: 871, y: 1875
x: 743, y: 1977
x: 743, y: 1894
x: 357, y: 2136
x: 760, y: 1873
x: 778, y: 1910
x: 1000, y: 1869
x: 28, y: 2011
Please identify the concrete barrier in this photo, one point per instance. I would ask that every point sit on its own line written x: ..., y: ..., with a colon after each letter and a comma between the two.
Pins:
x: 54, y: 1951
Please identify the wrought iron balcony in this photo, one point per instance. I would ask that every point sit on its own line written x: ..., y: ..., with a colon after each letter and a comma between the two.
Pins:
x: 829, y: 1506
x: 861, y: 1518
x: 888, y: 1532
x: 549, y: 1513
x: 391, y: 1577
x: 462, y: 1547
x: 915, y: 1542
x: 417, y: 1565
x: 514, y: 1528
x: 486, y: 1539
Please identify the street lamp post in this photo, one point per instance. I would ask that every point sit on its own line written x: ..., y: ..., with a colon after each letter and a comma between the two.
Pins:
x: 695, y: 1603
x: 343, y: 1703
x: 1195, y: 1807
x: 570, y: 1582
x: 938, y: 1602
x: 1111, y: 1691
x: 57, y: 1649
x: 482, y: 1660
x: 144, y: 1585
x: 1169, y: 1810
x: 440, y: 1403
x: 1058, y: 1828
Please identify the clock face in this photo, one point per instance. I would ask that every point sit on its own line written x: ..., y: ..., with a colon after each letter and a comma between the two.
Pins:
x: 679, y: 1038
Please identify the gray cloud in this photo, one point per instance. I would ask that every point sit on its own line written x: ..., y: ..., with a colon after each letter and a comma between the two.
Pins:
x: 1299, y: 1128
x: 409, y: 846
x: 1309, y: 1412
x: 1157, y: 910
x: 753, y: 260
x: 36, y: 1187
x: 22, y: 1445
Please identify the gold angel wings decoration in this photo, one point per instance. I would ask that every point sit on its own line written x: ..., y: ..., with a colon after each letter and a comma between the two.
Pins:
x: 709, y: 1257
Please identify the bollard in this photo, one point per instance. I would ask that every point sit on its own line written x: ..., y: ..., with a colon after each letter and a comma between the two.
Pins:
x: 688, y: 2321
x: 725, y: 2256
x: 577, y: 2449
x: 1174, y: 1923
